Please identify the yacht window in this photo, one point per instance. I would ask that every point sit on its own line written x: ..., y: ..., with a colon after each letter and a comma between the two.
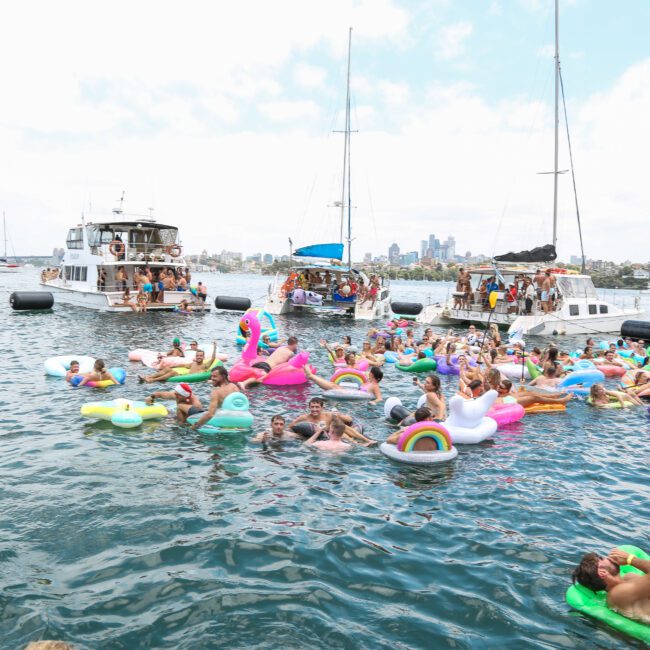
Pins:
x: 68, y: 272
x: 84, y: 273
x: 574, y: 310
x: 75, y: 238
x: 593, y: 309
x: 77, y: 273
x: 604, y: 309
x: 93, y: 235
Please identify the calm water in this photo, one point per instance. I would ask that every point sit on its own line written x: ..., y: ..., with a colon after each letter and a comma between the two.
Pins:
x: 163, y: 538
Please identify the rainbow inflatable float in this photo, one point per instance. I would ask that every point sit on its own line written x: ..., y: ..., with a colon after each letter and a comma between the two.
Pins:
x: 423, y: 443
x: 349, y: 382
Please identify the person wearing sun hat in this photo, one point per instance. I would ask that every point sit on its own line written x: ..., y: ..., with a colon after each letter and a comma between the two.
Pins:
x: 187, y: 402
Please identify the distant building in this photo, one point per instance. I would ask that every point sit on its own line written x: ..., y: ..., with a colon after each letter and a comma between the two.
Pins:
x: 641, y: 274
x: 409, y: 258
x: 367, y: 258
x: 451, y: 247
x: 424, y: 246
x: 393, y: 254
x: 268, y: 259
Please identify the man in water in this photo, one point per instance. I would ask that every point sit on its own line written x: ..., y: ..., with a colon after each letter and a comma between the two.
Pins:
x: 199, y: 364
x: 74, y: 370
x: 280, y: 355
x: 222, y: 388
x: 548, y: 380
x: 335, y: 434
x: 319, y: 420
x: 278, y: 431
x: 187, y: 403
x: 629, y: 595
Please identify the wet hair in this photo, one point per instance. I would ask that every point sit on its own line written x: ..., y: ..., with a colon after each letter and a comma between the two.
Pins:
x: 350, y: 356
x: 422, y: 414
x: 377, y: 374
x: 317, y: 400
x: 586, y: 573
x: 550, y: 371
x: 552, y: 354
x: 73, y: 362
x: 221, y: 370
x: 421, y: 355
x: 477, y: 383
x: 347, y: 339
x: 435, y: 380
x: 493, y: 354
x: 337, y: 426
x: 278, y: 418
x: 593, y: 391
x: 507, y: 384
x: 493, y: 377
x: 292, y: 340
x: 100, y: 365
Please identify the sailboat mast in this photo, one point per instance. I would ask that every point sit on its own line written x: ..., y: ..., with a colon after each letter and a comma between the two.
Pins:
x: 4, y: 232
x: 345, y: 141
x: 557, y: 118
x: 347, y: 138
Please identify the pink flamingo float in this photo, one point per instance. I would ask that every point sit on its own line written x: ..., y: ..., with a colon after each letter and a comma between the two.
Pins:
x: 290, y: 373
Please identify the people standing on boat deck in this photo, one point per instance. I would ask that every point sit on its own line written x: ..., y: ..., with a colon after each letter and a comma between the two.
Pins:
x: 181, y: 285
x: 335, y: 434
x: 202, y: 291
x: 142, y: 299
x: 529, y: 296
x: 552, y: 294
x: 198, y: 364
x: 222, y: 388
x: 101, y: 279
x: 187, y: 402
x: 169, y: 281
x: 538, y: 279
x: 120, y: 279
x: 546, y: 292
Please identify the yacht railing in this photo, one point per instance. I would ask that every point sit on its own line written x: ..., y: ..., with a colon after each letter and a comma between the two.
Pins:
x: 147, y: 253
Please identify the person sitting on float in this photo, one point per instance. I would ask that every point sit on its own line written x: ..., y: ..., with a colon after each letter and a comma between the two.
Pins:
x: 548, y: 379
x: 195, y: 366
x: 380, y: 345
x: 641, y: 380
x: 98, y: 373
x: 187, y: 402
x: 408, y: 359
x: 335, y: 442
x: 278, y: 356
x: 222, y: 387
x: 474, y: 389
x: 372, y: 359
x: 600, y: 396
x: 422, y: 414
x: 628, y: 595
x: 611, y: 358
x: 126, y: 300
x: 410, y: 339
x: 375, y: 375
x: 526, y: 398
x: 435, y: 400
x: 337, y: 352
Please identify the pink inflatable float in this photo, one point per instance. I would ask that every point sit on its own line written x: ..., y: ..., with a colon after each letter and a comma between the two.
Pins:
x: 504, y: 414
x: 290, y: 373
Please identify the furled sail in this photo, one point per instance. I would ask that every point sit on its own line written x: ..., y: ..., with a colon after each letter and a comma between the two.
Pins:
x: 540, y: 254
x: 331, y: 251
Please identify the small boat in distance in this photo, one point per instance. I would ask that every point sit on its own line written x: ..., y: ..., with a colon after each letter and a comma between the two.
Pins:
x: 5, y: 265
x: 96, y: 252
x: 334, y: 287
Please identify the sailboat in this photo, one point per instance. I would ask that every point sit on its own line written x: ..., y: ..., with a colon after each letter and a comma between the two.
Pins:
x: 5, y: 265
x: 332, y: 287
x: 576, y: 309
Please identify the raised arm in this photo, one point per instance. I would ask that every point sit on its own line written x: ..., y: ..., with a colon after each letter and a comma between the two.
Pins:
x: 630, y: 591
x: 215, y: 401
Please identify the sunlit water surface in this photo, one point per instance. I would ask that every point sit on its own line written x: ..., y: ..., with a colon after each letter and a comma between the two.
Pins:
x: 164, y: 538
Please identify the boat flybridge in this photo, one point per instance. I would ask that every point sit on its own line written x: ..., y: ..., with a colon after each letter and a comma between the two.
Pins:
x: 96, y: 252
x: 328, y: 287
x: 577, y: 308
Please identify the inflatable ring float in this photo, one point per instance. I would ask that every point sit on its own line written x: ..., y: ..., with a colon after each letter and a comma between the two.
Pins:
x: 124, y: 413
x: 183, y: 375
x: 407, y: 448
x: 174, y: 250
x: 594, y: 603
x: 59, y: 366
x: 544, y: 408
x: 234, y: 415
x: 118, y: 373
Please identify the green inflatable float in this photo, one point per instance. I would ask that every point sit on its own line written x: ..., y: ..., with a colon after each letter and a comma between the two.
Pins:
x: 182, y: 375
x: 594, y: 603
x: 533, y: 370
x: 421, y: 365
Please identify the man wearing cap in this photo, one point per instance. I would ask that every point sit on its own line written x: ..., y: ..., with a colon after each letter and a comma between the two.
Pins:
x: 187, y: 403
x: 199, y: 364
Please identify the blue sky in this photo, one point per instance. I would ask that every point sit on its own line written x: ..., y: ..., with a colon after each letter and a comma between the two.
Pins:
x: 219, y: 115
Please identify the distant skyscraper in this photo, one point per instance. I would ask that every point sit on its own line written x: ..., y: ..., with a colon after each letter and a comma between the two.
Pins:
x: 393, y: 254
x: 451, y: 247
x: 424, y: 245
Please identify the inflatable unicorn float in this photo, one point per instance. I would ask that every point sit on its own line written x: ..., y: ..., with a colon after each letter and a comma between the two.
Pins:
x: 290, y: 373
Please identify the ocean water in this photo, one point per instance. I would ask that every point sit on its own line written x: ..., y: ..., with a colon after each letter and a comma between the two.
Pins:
x: 166, y: 538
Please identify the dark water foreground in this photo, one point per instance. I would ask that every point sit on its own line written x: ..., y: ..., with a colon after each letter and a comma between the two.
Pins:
x: 163, y: 538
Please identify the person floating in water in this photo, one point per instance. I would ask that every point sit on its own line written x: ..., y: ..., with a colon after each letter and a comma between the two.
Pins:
x: 629, y: 594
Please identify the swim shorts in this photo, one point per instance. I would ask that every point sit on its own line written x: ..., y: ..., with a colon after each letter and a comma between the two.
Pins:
x: 195, y: 410
x: 147, y: 288
x: 544, y: 296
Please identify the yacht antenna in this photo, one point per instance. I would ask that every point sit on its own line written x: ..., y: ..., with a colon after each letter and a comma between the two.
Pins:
x: 119, y: 209
x: 557, y: 119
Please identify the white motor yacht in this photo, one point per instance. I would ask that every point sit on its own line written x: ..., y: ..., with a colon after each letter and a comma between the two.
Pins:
x: 96, y: 251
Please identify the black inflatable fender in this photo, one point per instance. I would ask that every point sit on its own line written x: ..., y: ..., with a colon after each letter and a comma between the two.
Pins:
x: 232, y: 303
x: 23, y: 300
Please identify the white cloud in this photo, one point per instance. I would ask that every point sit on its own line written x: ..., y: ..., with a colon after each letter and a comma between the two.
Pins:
x: 309, y: 76
x: 451, y: 40
x: 282, y: 111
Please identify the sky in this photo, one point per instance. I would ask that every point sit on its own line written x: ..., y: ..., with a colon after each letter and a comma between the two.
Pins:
x: 222, y: 118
